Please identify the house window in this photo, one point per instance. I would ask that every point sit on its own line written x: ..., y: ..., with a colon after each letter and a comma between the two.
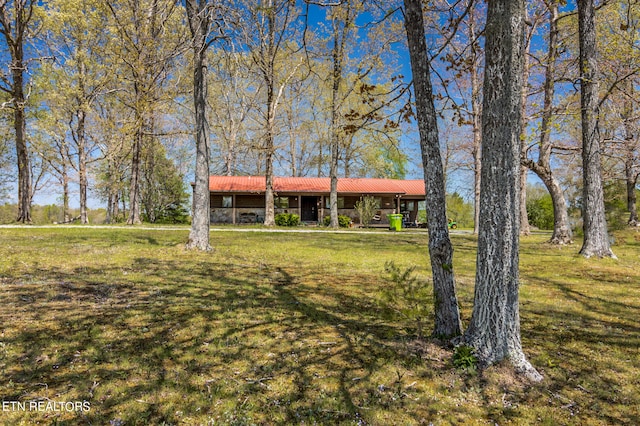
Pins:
x: 227, y: 201
x: 327, y: 202
x: 281, y: 202
x: 407, y: 205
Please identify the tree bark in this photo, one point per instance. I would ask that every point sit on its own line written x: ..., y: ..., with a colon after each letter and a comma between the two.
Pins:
x: 198, y: 18
x: 631, y: 175
x: 82, y: 165
x: 14, y: 28
x: 525, y: 229
x: 22, y: 153
x: 494, y: 331
x: 476, y: 113
x: 596, y: 239
x: 269, y: 214
x: 447, y: 316
x: 341, y: 29
x: 631, y: 162
x: 134, y: 189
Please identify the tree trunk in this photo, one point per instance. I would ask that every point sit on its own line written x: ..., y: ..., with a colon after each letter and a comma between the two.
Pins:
x: 24, y: 168
x: 447, y: 316
x: 199, y: 26
x: 562, y: 233
x: 596, y: 239
x: 82, y: 165
x: 22, y: 153
x: 340, y: 31
x: 476, y: 111
x: 14, y: 26
x: 632, y: 179
x: 269, y: 214
x: 65, y: 195
x: 525, y: 229
x: 631, y: 165
x: 494, y: 331
x: 134, y: 190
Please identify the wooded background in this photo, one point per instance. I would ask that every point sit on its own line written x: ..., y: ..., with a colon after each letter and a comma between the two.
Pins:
x: 97, y: 101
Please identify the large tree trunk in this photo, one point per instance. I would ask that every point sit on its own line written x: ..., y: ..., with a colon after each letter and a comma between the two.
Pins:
x: 447, y: 316
x: 494, y: 331
x: 525, y: 229
x: 22, y: 153
x: 477, y: 149
x: 476, y: 118
x: 14, y: 22
x: 596, y: 239
x: 24, y: 168
x: 199, y: 25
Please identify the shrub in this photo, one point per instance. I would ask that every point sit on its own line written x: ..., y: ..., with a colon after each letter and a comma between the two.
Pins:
x: 465, y: 358
x: 407, y: 296
x: 366, y: 208
x: 287, y: 219
x: 540, y: 210
x: 343, y: 221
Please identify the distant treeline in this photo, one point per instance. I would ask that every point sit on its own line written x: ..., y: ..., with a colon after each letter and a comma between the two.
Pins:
x: 50, y: 214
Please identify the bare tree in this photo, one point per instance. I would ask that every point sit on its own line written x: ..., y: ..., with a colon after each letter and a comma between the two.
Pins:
x: 16, y: 18
x: 269, y: 30
x: 596, y: 239
x: 447, y: 315
x: 542, y: 167
x: 494, y: 331
x: 203, y: 18
x: 147, y: 43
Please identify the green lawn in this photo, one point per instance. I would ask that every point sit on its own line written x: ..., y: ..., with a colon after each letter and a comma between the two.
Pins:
x: 276, y: 328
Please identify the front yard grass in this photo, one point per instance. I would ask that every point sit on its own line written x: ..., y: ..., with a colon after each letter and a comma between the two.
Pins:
x: 289, y: 328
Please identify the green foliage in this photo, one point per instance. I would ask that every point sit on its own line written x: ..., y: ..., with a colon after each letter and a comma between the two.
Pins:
x: 615, y: 204
x: 8, y: 213
x: 459, y: 210
x: 52, y: 213
x: 366, y: 208
x: 387, y: 162
x: 162, y: 189
x: 287, y: 219
x: 539, y: 207
x: 465, y: 358
x: 343, y: 221
x: 407, y: 296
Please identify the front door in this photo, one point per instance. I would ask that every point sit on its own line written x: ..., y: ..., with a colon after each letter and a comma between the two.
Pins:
x: 309, y: 209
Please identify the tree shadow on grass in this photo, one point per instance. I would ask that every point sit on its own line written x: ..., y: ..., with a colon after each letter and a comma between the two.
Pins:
x: 164, y: 341
x: 589, y: 344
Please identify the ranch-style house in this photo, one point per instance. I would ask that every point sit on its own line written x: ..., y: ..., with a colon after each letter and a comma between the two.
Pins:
x: 241, y: 199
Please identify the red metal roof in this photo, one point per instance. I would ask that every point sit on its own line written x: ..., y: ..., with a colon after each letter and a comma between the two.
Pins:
x: 257, y: 184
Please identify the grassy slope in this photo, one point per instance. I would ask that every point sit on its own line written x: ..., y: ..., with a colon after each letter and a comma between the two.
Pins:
x: 286, y: 328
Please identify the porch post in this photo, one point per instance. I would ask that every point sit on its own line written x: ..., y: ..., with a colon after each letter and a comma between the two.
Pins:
x: 233, y: 209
